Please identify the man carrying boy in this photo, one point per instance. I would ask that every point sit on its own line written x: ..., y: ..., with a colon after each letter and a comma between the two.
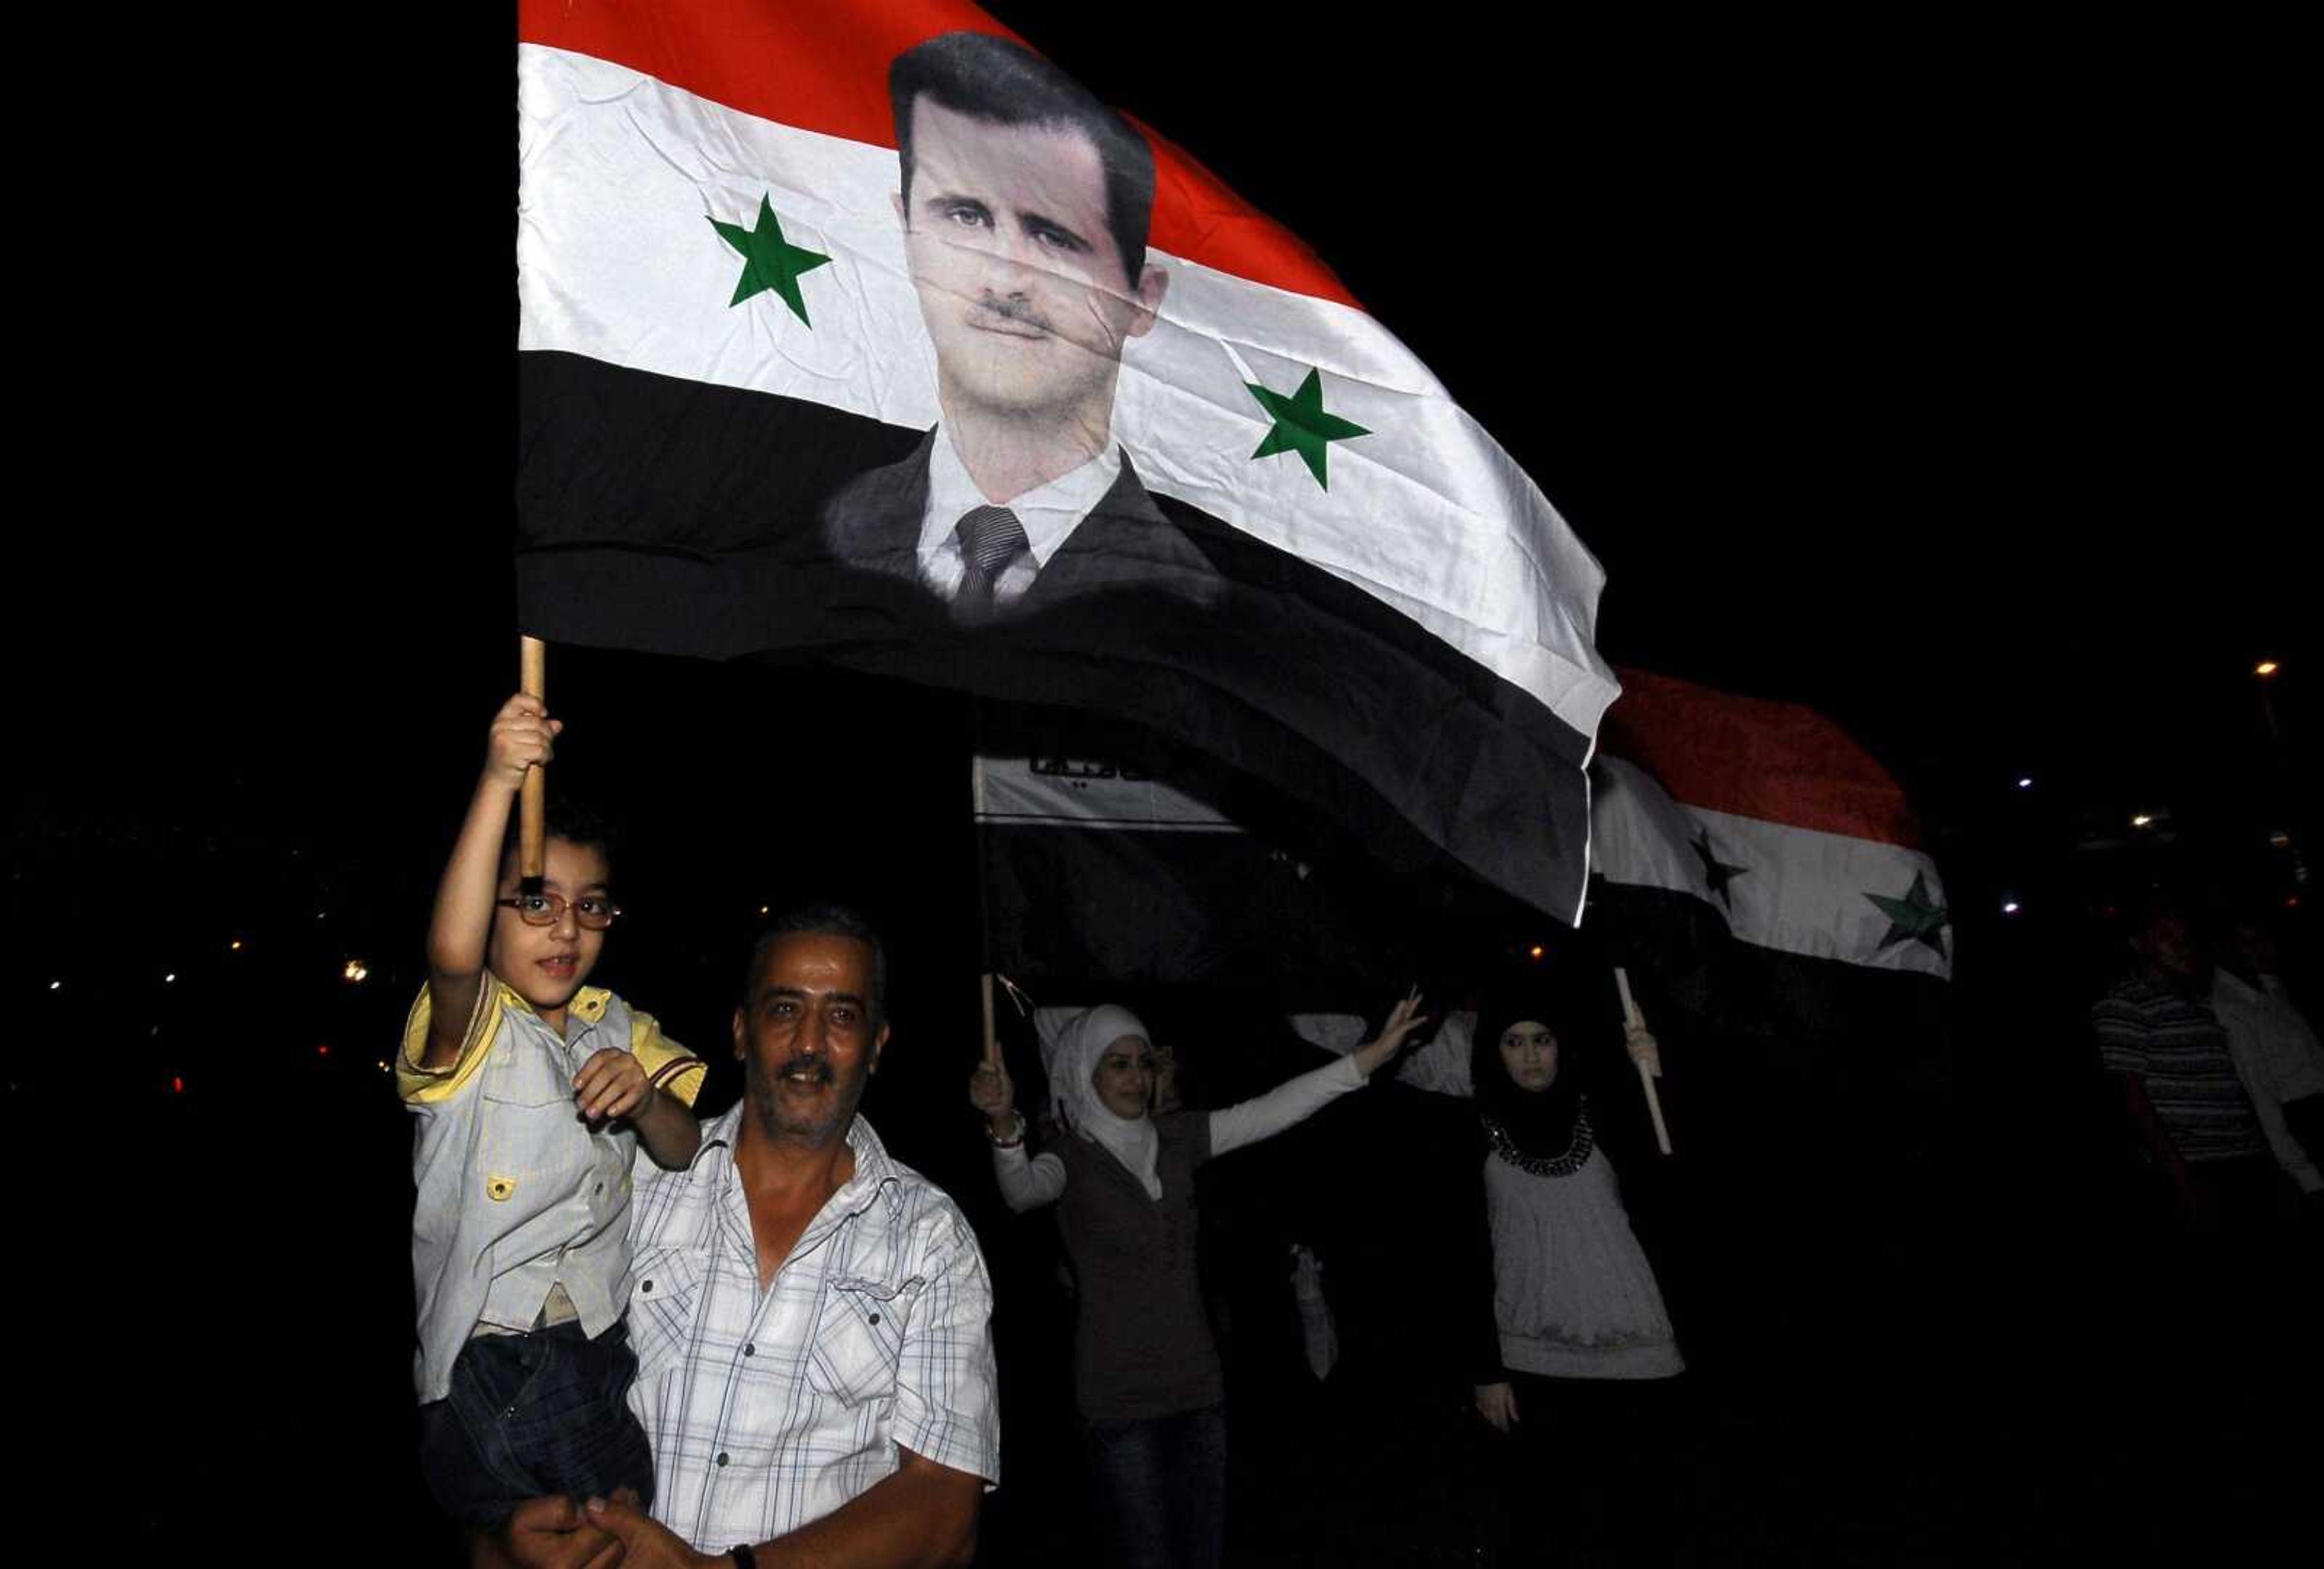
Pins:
x: 532, y: 1092
x: 812, y: 1315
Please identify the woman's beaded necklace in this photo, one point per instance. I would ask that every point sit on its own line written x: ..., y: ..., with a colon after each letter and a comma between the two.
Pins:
x: 1577, y: 1153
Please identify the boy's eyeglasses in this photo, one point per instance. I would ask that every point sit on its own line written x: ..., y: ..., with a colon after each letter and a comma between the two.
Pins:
x: 592, y: 910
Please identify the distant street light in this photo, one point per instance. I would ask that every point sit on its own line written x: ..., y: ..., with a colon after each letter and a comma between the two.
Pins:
x: 2141, y: 821
x: 2265, y: 669
x: 355, y: 970
x: 2010, y: 908
x: 2025, y: 784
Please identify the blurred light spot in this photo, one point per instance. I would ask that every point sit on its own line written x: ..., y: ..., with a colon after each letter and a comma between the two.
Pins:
x: 2280, y: 839
x: 2264, y: 668
x: 177, y: 1084
x: 235, y: 946
x: 353, y: 970
x: 2025, y: 784
x: 1534, y: 951
x: 167, y: 979
x: 56, y: 986
x: 322, y: 1051
x: 2010, y: 908
x: 2141, y: 821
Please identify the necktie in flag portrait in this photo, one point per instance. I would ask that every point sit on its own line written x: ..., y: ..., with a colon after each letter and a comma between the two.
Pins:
x: 756, y: 340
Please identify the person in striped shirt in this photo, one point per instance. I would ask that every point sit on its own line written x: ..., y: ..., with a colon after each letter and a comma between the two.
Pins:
x: 2165, y: 1050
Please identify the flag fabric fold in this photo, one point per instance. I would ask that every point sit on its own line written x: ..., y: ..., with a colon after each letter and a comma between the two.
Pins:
x: 1097, y: 878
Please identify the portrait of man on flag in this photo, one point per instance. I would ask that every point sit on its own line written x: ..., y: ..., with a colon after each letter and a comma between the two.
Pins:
x: 1024, y: 203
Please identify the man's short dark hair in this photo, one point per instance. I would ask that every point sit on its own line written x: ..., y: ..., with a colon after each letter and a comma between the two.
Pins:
x: 1004, y: 83
x: 824, y: 920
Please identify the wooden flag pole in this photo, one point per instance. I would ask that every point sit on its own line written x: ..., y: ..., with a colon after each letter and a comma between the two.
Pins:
x: 532, y: 800
x: 992, y: 1038
x: 1654, y: 1102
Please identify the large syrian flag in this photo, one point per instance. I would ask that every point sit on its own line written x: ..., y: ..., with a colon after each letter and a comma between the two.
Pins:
x: 734, y: 429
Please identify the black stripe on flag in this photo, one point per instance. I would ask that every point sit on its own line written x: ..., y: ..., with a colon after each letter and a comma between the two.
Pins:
x: 681, y: 517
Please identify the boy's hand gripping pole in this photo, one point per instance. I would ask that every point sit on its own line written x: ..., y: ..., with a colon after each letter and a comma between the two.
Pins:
x: 532, y: 799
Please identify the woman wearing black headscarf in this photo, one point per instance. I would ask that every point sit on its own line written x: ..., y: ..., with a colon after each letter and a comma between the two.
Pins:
x: 1572, y: 1368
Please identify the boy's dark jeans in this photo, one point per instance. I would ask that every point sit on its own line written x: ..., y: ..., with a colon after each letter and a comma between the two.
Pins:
x: 531, y: 1415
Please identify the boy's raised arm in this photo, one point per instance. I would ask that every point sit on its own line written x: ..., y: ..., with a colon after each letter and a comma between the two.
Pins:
x: 522, y: 736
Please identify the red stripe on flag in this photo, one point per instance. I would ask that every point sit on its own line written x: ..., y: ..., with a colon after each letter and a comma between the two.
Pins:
x: 825, y: 67
x: 1752, y: 757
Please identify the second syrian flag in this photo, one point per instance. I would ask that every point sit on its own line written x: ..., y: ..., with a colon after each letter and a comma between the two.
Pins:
x: 857, y: 332
x: 1763, y: 872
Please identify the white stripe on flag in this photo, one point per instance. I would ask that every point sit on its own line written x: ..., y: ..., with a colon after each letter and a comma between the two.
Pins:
x: 617, y: 261
x: 1800, y: 891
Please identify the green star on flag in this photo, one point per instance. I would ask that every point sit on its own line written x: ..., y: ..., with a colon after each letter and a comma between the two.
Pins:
x: 1301, y: 425
x: 1915, y: 918
x: 1716, y: 872
x: 769, y: 261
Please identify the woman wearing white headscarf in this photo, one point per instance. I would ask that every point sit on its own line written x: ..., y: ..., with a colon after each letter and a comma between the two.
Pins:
x: 1146, y: 1375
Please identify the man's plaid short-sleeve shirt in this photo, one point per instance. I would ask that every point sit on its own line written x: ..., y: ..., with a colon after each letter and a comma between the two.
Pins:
x: 766, y: 1411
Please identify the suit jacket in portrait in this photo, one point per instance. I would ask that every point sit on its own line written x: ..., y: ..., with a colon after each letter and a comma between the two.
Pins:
x: 1124, y: 544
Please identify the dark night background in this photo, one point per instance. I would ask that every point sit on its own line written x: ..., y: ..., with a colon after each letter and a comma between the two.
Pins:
x: 1941, y: 375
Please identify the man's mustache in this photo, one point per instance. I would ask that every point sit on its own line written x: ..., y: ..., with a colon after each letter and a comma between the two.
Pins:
x: 1014, y: 308
x: 808, y: 1067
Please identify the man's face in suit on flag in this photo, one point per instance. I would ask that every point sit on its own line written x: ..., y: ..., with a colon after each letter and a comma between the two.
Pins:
x: 1022, y: 283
